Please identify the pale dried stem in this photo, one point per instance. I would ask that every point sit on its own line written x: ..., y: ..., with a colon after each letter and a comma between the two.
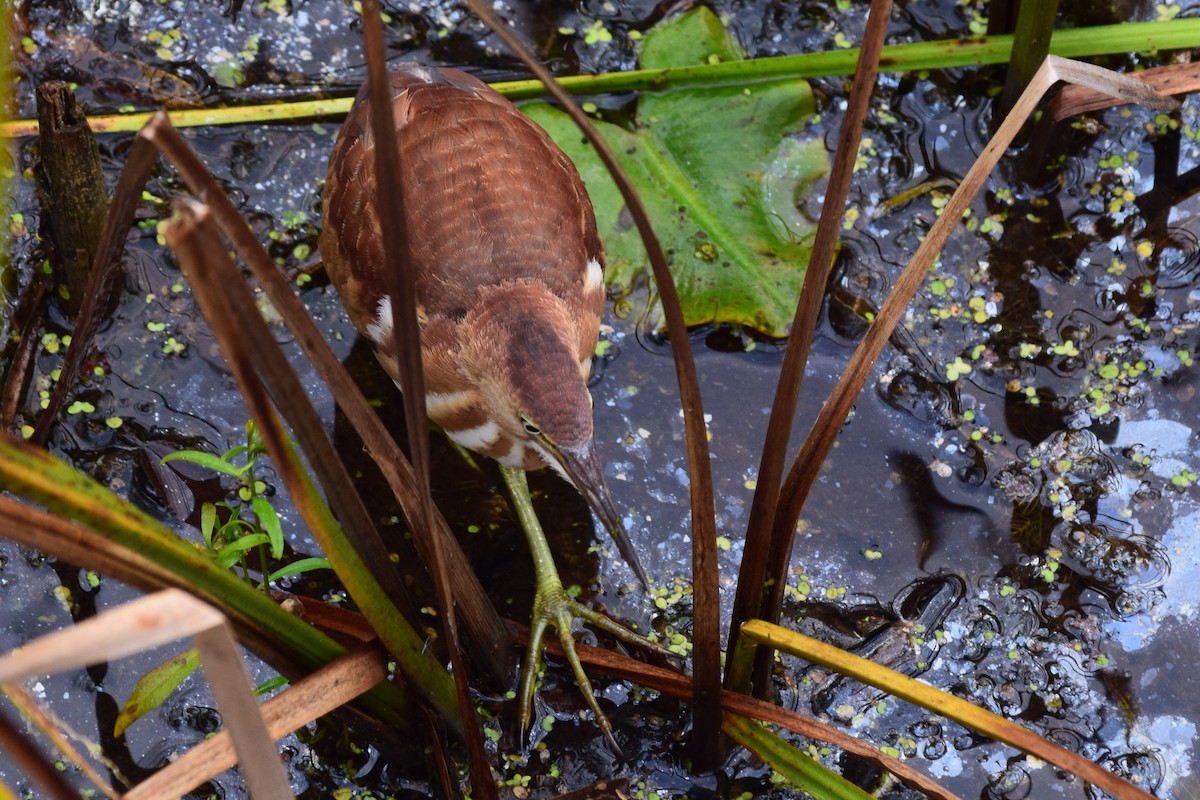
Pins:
x: 322, y: 692
x: 156, y: 620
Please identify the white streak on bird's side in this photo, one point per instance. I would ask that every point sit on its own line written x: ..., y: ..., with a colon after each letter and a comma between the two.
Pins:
x: 479, y: 438
x: 594, y: 277
x: 380, y: 330
x: 439, y: 403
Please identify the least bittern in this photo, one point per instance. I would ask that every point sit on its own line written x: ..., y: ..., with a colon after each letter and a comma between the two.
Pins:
x: 509, y: 281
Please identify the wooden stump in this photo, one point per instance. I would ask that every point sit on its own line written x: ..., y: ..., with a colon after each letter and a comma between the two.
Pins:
x: 70, y: 185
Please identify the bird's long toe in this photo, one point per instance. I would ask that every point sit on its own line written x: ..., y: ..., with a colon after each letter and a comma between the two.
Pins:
x: 552, y: 606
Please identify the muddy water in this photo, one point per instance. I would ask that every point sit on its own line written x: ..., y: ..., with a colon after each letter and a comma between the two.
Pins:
x: 1031, y: 431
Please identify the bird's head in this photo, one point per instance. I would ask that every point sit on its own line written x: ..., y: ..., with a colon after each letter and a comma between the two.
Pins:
x: 525, y: 355
x: 529, y: 356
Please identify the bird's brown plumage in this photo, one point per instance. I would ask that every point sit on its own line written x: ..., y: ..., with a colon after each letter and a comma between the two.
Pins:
x: 508, y: 271
x: 507, y: 261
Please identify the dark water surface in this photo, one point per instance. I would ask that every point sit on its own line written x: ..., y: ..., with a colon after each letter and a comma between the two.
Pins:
x: 1029, y: 439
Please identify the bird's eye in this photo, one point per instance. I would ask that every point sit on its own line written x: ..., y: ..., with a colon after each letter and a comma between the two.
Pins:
x: 529, y: 426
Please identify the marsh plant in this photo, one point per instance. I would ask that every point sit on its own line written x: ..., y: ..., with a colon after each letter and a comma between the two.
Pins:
x: 235, y: 529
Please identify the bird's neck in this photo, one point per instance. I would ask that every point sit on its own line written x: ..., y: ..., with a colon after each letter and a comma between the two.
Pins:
x: 538, y: 354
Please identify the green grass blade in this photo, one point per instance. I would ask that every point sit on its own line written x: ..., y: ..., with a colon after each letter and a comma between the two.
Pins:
x: 208, y: 460
x: 299, y: 567
x: 268, y: 520
x: 949, y: 706
x: 1176, y: 34
x: 801, y: 770
x: 149, y: 555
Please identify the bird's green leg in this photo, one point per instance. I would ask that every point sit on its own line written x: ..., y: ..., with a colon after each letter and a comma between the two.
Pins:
x: 553, y: 606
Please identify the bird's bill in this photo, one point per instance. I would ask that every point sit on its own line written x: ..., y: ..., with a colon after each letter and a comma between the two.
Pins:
x: 582, y: 466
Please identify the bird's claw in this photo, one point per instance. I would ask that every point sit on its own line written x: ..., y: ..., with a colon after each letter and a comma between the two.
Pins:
x: 553, y: 606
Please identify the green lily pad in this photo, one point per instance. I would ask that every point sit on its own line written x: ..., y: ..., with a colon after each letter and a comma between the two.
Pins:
x: 721, y: 172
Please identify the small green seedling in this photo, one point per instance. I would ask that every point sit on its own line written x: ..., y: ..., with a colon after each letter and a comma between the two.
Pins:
x: 232, y: 529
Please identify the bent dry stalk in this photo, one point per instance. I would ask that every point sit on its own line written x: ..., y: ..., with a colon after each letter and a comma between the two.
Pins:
x: 807, y: 463
x: 152, y: 621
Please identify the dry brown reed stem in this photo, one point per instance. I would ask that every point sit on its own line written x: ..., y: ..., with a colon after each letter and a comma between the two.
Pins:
x: 402, y: 293
x: 315, y: 695
x: 1169, y: 80
x: 250, y: 352
x: 150, y: 622
x: 706, y: 609
x: 808, y: 461
x: 489, y: 637
x: 126, y: 198
x: 752, y: 594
